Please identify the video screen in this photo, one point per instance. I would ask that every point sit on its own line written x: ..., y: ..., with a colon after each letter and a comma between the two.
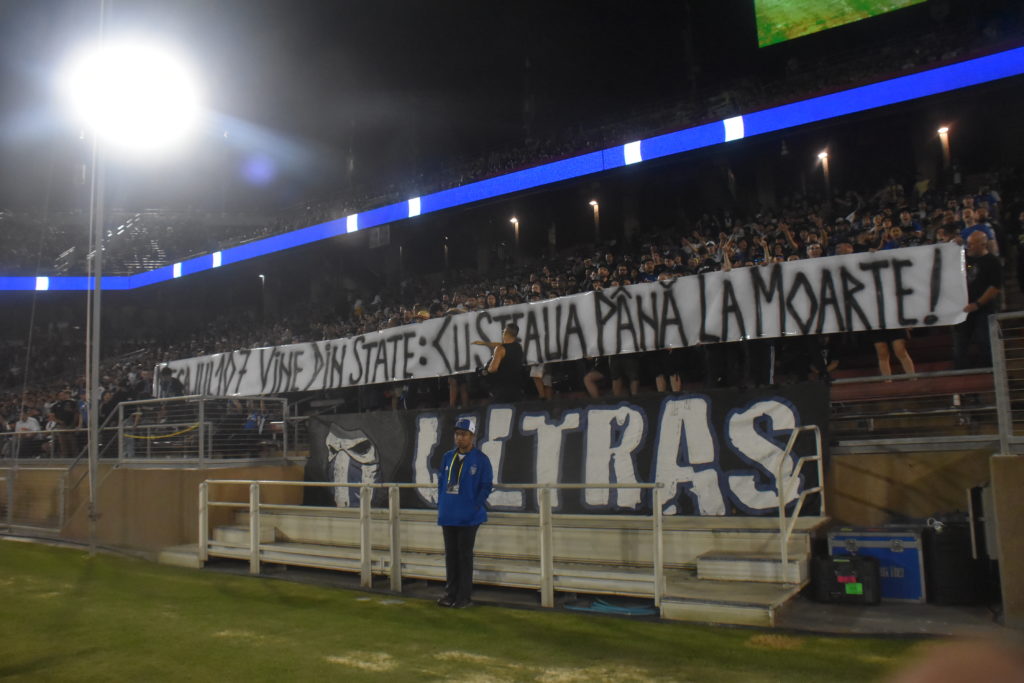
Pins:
x: 781, y: 20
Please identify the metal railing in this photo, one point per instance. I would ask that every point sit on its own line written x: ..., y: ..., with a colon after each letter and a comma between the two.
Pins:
x: 545, y: 526
x: 7, y: 484
x: 49, y: 444
x: 938, y: 409
x: 203, y: 428
x: 785, y: 488
x: 1006, y: 335
x: 33, y: 512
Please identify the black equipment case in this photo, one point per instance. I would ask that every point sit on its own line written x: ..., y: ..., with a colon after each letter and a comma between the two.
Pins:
x: 852, y: 579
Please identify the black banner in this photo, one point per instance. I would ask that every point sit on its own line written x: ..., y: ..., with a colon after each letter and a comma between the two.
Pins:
x: 717, y: 453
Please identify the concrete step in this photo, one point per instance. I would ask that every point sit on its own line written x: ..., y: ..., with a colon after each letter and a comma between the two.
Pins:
x: 180, y: 556
x: 239, y: 535
x: 622, y: 540
x: 740, y: 566
x: 515, y: 573
x: 724, y: 551
x: 749, y: 603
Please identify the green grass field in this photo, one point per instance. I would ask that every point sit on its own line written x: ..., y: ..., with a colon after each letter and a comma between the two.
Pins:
x: 779, y: 20
x: 67, y: 617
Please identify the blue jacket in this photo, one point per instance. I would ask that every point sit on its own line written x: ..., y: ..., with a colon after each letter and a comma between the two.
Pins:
x: 475, y: 482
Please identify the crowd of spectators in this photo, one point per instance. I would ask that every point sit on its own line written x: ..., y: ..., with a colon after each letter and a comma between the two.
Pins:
x: 803, y: 227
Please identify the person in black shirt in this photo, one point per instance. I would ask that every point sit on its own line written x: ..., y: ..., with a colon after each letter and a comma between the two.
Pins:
x: 65, y: 412
x: 505, y: 369
x: 984, y: 281
x: 170, y: 386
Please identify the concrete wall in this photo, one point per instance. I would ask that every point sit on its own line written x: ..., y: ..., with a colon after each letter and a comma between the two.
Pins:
x: 873, y: 489
x: 37, y: 495
x: 150, y: 509
x: 1007, y: 484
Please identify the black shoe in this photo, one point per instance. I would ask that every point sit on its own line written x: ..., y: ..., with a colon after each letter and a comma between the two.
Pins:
x: 462, y: 604
x: 446, y: 601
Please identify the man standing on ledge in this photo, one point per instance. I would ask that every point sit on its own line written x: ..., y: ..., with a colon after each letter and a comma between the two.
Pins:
x: 463, y: 484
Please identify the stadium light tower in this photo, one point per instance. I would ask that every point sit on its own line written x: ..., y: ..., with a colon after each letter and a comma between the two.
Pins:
x: 943, y: 132
x: 133, y: 97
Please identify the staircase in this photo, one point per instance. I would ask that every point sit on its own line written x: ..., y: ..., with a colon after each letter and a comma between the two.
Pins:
x: 716, y: 569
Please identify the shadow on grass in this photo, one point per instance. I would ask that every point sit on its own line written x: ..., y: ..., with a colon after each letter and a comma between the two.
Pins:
x: 40, y: 664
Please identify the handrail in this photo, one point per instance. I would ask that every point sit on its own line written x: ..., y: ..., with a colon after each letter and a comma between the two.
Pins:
x: 546, y: 539
x: 1009, y: 437
x: 786, y: 529
x: 936, y: 374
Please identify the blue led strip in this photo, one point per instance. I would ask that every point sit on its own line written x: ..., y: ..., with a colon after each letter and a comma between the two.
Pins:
x: 882, y: 94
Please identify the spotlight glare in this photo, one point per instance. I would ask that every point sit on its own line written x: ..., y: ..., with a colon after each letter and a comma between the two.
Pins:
x: 823, y: 155
x: 943, y: 130
x: 134, y: 96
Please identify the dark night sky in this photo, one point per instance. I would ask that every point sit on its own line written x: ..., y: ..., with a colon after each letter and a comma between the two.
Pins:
x: 391, y: 86
x: 400, y: 83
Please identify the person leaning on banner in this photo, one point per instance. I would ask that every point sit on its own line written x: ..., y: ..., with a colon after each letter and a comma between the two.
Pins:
x: 463, y: 484
x: 505, y: 369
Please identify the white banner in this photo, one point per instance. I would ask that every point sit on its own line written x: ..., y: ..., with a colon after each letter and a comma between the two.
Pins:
x: 914, y: 287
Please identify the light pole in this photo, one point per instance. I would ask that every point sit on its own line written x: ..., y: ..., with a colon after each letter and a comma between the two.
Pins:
x: 944, y: 140
x: 823, y: 158
x: 597, y: 220
x: 515, y: 227
x: 135, y: 98
x: 263, y: 296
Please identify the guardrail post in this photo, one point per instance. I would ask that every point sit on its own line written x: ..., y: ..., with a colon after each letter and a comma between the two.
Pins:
x: 822, y: 509
x: 10, y: 497
x: 780, y: 487
x: 120, y: 433
x: 204, y: 523
x: 659, y: 545
x: 394, y: 522
x: 254, y: 528
x: 365, y: 568
x: 786, y: 529
x: 547, y: 563
x: 284, y: 429
x: 1000, y: 384
x: 202, y: 432
x: 62, y: 498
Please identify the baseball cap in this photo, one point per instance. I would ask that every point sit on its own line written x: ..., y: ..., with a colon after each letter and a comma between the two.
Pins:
x: 466, y: 424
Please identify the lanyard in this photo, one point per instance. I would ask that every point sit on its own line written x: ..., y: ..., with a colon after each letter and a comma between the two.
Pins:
x: 462, y: 461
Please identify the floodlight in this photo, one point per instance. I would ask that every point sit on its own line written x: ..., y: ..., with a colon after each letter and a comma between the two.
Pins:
x: 823, y: 155
x: 593, y: 202
x: 943, y: 130
x: 135, y: 96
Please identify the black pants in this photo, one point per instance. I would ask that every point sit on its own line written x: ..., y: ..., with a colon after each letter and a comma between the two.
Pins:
x: 973, y: 329
x: 458, y: 555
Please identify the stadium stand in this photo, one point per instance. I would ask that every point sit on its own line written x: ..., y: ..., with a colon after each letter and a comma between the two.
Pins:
x: 888, y: 217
